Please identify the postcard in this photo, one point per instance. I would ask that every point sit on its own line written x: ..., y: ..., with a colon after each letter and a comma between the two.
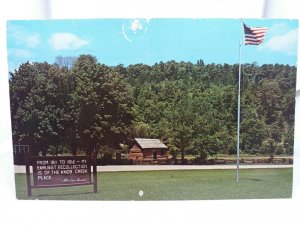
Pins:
x: 153, y: 109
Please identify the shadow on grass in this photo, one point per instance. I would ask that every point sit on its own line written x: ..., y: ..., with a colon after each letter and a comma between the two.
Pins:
x: 62, y: 194
x: 252, y: 179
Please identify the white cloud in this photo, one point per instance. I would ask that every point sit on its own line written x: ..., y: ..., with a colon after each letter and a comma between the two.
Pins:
x: 136, y: 25
x: 33, y: 40
x: 66, y: 41
x: 22, y: 53
x: 278, y: 29
x: 14, y: 53
x: 22, y: 37
x: 16, y: 56
x: 284, y: 43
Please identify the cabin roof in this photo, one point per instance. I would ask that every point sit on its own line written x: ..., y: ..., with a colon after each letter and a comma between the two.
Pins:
x: 150, y: 143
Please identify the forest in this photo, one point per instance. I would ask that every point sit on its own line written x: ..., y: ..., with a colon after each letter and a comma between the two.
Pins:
x: 83, y: 105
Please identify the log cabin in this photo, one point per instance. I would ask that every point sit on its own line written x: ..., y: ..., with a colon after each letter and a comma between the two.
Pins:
x: 148, y: 151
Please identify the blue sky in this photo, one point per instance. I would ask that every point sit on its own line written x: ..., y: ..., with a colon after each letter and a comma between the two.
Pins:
x: 148, y: 41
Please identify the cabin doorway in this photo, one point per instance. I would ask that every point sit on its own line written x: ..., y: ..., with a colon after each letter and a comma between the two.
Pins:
x: 154, y: 155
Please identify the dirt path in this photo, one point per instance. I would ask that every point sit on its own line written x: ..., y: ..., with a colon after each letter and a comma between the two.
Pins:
x: 21, y: 169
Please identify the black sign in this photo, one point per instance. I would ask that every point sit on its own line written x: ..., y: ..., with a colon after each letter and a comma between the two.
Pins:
x: 61, y: 171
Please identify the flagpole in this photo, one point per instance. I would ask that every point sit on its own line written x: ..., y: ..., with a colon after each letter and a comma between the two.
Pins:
x: 239, y: 112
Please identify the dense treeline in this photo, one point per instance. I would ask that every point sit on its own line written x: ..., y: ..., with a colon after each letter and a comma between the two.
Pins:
x: 191, y: 107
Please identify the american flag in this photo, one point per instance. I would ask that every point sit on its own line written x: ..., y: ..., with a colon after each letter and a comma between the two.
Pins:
x: 254, y: 35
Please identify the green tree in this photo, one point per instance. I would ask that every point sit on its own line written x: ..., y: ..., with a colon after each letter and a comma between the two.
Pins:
x: 101, y: 105
x: 41, y: 117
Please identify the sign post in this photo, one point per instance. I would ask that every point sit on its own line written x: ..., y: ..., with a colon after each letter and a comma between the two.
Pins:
x: 94, y: 157
x: 61, y: 171
x: 28, y: 179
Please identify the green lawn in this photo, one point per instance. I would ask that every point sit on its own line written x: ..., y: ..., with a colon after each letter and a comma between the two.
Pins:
x: 174, y: 185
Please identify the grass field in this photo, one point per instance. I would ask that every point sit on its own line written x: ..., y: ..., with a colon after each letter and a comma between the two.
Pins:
x: 173, y: 185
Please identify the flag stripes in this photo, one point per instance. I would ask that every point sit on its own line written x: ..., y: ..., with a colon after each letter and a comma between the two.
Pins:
x: 254, y: 35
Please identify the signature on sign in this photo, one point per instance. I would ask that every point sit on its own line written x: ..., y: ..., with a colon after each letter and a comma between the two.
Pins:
x: 73, y: 180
